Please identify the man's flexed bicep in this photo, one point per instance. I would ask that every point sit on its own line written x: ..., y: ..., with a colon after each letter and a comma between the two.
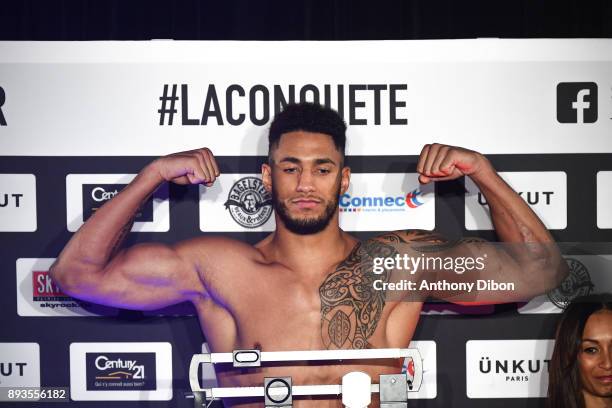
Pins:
x: 143, y: 277
x: 527, y: 253
x: 146, y: 276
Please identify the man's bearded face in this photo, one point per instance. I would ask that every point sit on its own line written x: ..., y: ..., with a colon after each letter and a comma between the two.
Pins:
x: 306, y: 224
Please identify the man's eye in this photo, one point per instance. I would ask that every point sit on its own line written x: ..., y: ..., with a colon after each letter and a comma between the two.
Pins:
x: 324, y: 171
x: 290, y: 170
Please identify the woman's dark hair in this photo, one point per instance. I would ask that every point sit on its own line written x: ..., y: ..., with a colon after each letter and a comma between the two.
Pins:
x: 309, y: 117
x: 564, y: 386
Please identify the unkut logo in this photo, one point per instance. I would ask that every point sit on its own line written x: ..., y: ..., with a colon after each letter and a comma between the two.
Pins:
x: 357, y: 203
x: 8, y: 369
x: 532, y: 197
x: 577, y: 102
x: 10, y: 200
x: 513, y: 370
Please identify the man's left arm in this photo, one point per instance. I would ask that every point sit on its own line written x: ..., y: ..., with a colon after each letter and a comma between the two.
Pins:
x: 527, y: 256
x: 513, y: 219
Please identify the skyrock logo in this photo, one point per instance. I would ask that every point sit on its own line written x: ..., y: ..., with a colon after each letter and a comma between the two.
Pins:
x: 356, y: 203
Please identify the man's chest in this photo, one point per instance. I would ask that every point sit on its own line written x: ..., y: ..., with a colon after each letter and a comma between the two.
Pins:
x: 340, y: 309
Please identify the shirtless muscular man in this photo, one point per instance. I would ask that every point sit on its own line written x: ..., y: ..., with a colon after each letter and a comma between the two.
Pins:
x: 294, y: 290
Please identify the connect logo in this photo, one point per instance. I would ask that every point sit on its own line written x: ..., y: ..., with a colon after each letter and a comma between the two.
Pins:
x: 349, y: 203
x: 577, y: 102
x: 412, y: 199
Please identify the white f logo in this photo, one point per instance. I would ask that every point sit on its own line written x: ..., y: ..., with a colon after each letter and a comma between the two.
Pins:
x: 580, y: 105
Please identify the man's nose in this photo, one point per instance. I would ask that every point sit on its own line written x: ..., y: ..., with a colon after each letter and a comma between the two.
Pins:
x: 305, y: 182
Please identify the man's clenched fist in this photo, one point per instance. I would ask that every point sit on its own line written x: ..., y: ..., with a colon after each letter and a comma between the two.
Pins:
x: 439, y: 162
x: 192, y: 167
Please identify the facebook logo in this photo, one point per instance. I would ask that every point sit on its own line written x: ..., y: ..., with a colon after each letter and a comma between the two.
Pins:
x: 577, y: 102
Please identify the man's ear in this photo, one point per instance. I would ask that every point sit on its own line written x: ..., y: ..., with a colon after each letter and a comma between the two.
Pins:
x: 346, y: 179
x: 266, y: 176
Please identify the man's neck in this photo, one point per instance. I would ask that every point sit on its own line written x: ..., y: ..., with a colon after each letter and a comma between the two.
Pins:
x: 319, y: 250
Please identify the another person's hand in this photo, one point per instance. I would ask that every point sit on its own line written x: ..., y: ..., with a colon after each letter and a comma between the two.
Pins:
x: 439, y: 162
x: 191, y: 167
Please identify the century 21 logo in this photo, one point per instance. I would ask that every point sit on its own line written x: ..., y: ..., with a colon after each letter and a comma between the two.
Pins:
x: 2, y: 100
x: 577, y: 102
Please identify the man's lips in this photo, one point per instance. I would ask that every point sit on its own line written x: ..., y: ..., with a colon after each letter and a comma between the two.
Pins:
x: 305, y: 202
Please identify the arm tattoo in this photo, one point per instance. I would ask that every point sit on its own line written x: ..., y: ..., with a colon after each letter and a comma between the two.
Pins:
x: 425, y: 241
x: 412, y: 236
x: 433, y: 245
x: 350, y: 307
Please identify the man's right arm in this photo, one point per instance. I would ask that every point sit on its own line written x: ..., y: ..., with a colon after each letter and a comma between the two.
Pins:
x: 146, y: 276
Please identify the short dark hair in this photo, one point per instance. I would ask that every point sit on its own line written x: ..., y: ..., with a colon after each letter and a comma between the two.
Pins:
x: 564, y: 385
x: 308, y: 117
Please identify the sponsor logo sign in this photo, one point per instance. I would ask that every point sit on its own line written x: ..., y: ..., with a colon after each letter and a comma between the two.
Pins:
x: 19, y: 365
x: 86, y: 193
x: 120, y: 371
x: 387, y: 202
x: 17, y: 203
x: 429, y: 387
x: 236, y: 202
x: 507, y: 368
x: 95, y: 195
x: 38, y: 295
x: 248, y: 202
x: 545, y: 192
x: 577, y: 283
x: 587, y: 274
